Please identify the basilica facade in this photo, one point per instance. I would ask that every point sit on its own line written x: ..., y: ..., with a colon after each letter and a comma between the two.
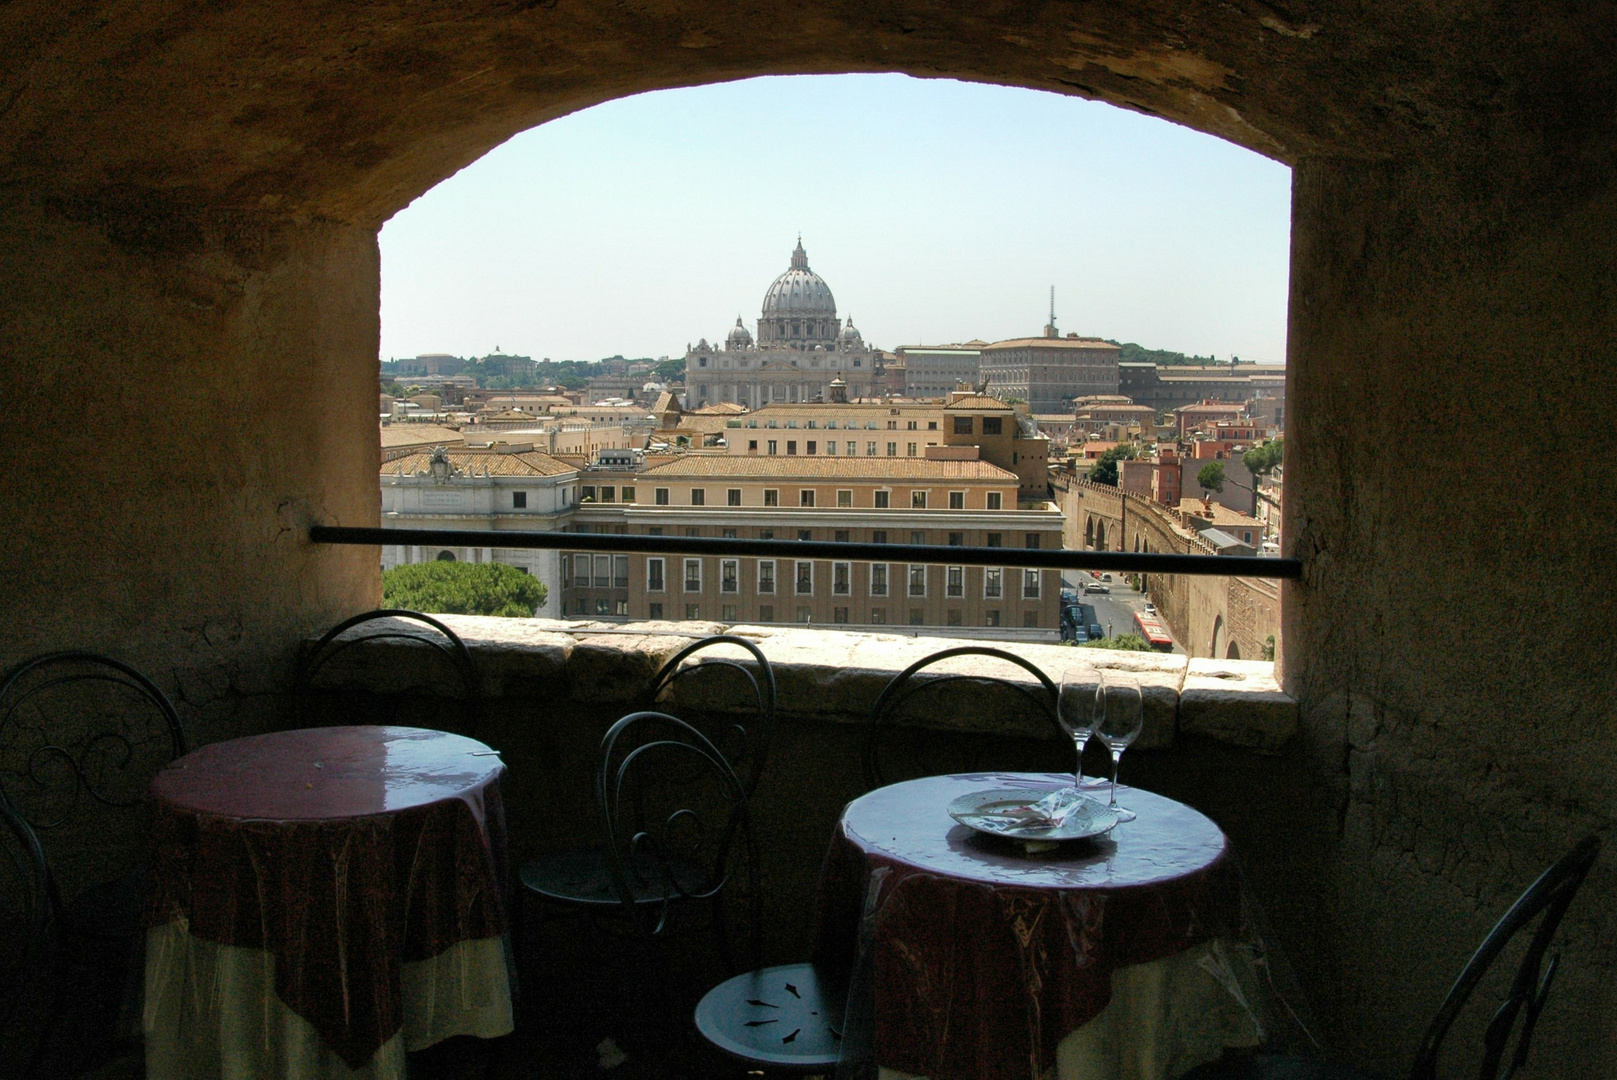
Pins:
x: 801, y: 347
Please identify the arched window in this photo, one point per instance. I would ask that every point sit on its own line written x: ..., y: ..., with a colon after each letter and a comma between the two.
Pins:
x: 446, y: 556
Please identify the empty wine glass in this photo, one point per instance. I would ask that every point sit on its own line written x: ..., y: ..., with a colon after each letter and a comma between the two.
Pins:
x: 1079, y: 708
x: 1119, y: 725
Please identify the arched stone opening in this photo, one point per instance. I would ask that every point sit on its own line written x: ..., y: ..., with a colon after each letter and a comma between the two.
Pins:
x: 189, y: 213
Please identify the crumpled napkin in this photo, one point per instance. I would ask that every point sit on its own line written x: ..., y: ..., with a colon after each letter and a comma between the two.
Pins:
x: 1050, y: 812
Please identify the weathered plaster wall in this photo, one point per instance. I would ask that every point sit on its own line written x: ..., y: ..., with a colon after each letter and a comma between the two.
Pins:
x: 188, y: 199
x: 163, y: 520
x: 1452, y: 643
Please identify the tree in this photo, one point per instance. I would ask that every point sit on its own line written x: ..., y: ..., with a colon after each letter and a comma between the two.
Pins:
x: 457, y: 588
x: 1211, y: 476
x: 1124, y: 642
x: 1261, y: 460
x: 1104, y: 471
x: 670, y: 369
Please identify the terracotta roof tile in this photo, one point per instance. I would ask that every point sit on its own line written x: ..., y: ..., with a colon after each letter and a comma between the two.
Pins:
x: 525, y: 463
x: 847, y: 468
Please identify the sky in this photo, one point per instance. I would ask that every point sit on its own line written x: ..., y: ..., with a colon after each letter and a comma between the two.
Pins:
x: 936, y: 211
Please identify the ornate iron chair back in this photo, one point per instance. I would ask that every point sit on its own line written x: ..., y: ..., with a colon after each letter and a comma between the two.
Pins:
x: 678, y: 828
x: 747, y: 744
x: 1040, y: 700
x: 440, y: 692
x: 81, y: 732
x: 1549, y: 896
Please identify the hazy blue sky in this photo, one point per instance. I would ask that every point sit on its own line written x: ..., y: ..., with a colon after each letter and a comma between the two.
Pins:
x: 936, y: 211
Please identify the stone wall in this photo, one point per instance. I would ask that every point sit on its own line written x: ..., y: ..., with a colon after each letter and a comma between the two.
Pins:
x: 187, y: 226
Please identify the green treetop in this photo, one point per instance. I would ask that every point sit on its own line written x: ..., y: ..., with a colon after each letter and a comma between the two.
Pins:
x: 457, y: 588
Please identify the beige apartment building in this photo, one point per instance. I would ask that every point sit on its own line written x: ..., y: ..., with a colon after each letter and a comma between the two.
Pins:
x: 900, y: 501
x: 867, y: 430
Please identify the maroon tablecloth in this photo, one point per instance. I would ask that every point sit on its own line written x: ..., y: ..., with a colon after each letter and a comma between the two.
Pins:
x: 982, y: 957
x: 343, y: 851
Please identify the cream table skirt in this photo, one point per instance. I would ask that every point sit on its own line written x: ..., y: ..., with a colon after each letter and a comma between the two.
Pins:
x: 211, y: 1012
x: 1165, y: 1018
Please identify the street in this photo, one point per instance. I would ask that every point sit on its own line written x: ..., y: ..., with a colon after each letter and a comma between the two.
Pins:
x: 1114, y: 611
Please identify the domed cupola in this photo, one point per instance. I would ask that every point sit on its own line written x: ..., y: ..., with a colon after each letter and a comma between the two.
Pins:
x: 850, y: 338
x: 799, y: 311
x: 739, y: 338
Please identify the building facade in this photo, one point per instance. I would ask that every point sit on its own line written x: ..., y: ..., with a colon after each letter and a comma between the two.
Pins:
x: 1050, y: 372
x: 499, y: 489
x: 936, y: 371
x: 802, y: 345
x: 900, y: 502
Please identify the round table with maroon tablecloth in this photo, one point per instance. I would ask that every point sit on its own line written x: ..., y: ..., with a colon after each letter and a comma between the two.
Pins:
x: 1122, y: 957
x: 321, y: 901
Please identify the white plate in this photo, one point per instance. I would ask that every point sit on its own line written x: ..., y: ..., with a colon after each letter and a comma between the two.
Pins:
x: 981, y: 810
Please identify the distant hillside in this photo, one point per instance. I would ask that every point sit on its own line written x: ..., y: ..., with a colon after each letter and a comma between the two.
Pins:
x: 1139, y: 354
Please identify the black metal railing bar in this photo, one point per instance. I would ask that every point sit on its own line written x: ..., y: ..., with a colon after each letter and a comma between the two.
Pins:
x: 824, y: 550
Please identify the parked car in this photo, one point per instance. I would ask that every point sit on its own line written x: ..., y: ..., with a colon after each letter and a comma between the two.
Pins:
x: 1150, y: 609
x: 1095, y: 632
x: 1106, y: 577
x: 1079, y: 634
x: 1096, y: 587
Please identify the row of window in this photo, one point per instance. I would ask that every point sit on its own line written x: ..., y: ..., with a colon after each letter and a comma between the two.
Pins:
x: 852, y: 425
x: 851, y: 448
x: 805, y: 614
x: 918, y: 537
x: 883, y: 499
x: 912, y: 575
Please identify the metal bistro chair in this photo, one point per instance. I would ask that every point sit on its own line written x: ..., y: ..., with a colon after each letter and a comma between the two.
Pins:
x: 929, y: 757
x: 81, y: 736
x: 580, y: 882
x: 441, y: 692
x: 1548, y: 897
x: 679, y: 832
x: 25, y: 911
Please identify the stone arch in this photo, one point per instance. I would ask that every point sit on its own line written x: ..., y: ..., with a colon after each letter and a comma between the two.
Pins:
x: 1089, y: 532
x: 1218, y: 637
x: 1233, y: 652
x: 1100, y: 536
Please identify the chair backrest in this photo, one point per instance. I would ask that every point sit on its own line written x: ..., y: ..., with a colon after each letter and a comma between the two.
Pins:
x: 1549, y: 896
x: 746, y: 740
x: 910, y: 685
x: 24, y: 911
x: 430, y: 680
x: 80, y: 731
x: 678, y: 828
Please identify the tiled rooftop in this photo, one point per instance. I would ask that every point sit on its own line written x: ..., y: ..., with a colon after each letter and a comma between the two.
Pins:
x: 525, y: 463
x: 849, y: 468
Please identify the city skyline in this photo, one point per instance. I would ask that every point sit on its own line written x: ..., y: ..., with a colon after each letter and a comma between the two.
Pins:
x: 935, y: 210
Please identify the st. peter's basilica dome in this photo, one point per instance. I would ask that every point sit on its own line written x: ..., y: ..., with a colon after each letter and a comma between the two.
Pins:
x: 799, y: 291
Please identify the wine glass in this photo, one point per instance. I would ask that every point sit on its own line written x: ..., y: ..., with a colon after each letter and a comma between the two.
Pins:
x: 1079, y: 708
x: 1119, y: 725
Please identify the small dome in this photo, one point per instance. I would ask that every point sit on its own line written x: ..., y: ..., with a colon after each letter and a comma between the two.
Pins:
x: 850, y: 336
x: 799, y: 291
x: 739, y: 338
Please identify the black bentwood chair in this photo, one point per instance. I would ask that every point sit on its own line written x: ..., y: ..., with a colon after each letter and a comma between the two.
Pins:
x: 24, y: 946
x: 891, y: 755
x: 1546, y: 900
x: 679, y: 832
x: 580, y: 882
x: 426, y: 668
x: 81, y: 736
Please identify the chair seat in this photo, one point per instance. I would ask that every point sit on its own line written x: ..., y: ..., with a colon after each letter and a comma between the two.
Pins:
x: 782, y: 1016
x: 109, y: 911
x: 584, y: 878
x: 1272, y: 1067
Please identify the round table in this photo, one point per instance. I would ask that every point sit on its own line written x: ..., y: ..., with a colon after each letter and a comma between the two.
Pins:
x: 970, y: 956
x: 321, y: 901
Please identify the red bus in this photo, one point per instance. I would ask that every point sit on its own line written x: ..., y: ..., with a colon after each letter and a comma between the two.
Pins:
x: 1155, y: 634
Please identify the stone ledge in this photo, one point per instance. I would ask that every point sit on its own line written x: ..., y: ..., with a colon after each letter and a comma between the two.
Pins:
x: 1236, y: 701
x: 834, y: 675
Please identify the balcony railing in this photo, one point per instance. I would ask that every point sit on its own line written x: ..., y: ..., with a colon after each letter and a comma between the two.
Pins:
x: 1030, y: 558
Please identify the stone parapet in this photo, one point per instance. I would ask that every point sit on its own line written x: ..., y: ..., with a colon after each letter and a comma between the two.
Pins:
x: 834, y: 676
